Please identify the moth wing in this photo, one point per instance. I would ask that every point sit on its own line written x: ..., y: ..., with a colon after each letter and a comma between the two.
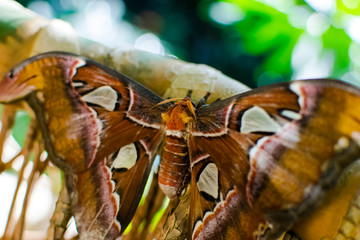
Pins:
x: 211, y: 207
x: 108, y: 194
x: 283, y: 145
x: 131, y: 134
x: 88, y: 113
x: 125, y: 110
x: 218, y: 209
x: 130, y: 184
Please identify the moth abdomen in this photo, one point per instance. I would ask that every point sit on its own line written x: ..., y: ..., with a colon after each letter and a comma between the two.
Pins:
x: 174, y: 166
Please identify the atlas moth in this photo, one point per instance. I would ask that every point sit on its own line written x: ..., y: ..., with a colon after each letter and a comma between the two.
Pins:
x: 253, y: 164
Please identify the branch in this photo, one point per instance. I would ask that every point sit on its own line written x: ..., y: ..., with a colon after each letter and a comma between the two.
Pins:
x: 30, y: 34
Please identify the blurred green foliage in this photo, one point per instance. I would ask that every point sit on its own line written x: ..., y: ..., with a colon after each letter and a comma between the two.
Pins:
x: 258, y: 47
x: 268, y: 34
x: 257, y: 42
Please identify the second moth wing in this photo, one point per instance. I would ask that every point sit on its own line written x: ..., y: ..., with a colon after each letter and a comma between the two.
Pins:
x: 274, y: 144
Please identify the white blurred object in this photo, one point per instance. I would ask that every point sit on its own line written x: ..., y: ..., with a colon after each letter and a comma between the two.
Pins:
x: 150, y: 43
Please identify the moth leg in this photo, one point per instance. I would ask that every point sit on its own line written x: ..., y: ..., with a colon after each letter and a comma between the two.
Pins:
x: 188, y: 94
x: 290, y: 235
x: 203, y: 100
x: 217, y: 100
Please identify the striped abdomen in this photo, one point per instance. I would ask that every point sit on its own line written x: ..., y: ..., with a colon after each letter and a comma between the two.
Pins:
x: 174, y: 167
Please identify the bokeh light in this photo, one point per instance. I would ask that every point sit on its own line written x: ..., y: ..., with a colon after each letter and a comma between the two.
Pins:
x: 225, y: 13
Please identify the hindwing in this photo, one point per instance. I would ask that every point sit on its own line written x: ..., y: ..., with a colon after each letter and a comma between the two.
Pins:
x: 218, y: 209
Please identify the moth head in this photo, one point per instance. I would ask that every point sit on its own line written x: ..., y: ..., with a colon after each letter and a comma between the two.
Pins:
x: 180, y: 114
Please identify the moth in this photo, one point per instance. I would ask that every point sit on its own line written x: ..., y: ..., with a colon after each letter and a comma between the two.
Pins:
x: 253, y: 164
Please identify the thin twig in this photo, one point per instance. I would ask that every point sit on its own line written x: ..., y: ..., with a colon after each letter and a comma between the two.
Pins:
x: 10, y: 216
x: 31, y: 137
x: 35, y: 173
x: 7, y: 121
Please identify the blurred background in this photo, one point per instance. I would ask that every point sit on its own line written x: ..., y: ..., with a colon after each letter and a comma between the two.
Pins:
x: 256, y: 42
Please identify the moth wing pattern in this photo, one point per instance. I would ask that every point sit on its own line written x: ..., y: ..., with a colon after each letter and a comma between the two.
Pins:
x: 259, y: 161
x: 88, y: 114
x: 274, y: 142
x: 218, y: 209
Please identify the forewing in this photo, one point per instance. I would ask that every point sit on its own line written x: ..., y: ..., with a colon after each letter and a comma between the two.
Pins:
x: 100, y: 127
x: 125, y: 110
x: 286, y: 144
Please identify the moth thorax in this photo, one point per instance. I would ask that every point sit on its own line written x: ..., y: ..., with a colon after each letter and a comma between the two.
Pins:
x: 179, y: 115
